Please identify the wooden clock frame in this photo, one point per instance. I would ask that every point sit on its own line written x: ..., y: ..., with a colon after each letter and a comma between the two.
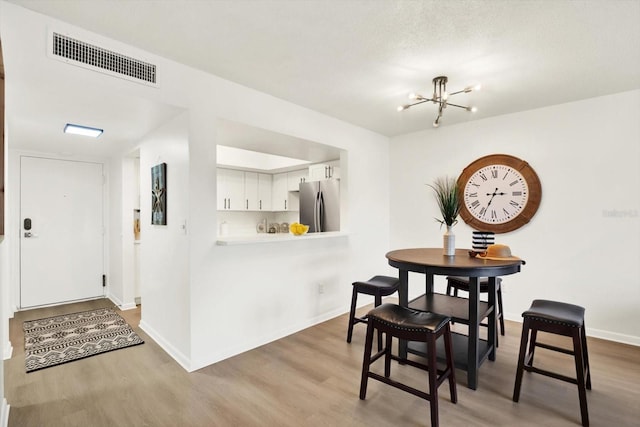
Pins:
x: 533, y: 184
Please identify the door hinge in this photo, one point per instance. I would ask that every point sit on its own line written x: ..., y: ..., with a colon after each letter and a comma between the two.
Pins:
x: 104, y: 280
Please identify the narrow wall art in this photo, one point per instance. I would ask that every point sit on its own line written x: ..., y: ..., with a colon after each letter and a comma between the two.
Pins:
x: 159, y: 194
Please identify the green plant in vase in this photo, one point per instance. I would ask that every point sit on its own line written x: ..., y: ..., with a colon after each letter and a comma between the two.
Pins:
x: 446, y: 192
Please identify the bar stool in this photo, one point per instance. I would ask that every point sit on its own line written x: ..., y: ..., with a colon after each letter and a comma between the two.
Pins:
x: 456, y: 283
x: 562, y: 319
x: 378, y: 286
x: 405, y: 323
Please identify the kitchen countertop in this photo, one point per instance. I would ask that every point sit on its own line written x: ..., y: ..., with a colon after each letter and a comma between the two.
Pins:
x: 274, y: 237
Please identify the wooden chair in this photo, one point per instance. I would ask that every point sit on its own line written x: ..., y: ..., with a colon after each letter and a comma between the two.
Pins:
x: 456, y: 283
x: 378, y: 286
x: 405, y: 323
x: 562, y: 319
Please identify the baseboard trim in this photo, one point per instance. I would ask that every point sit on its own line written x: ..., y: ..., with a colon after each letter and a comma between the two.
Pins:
x: 182, y: 360
x: 8, y: 351
x: 129, y: 306
x: 4, y: 413
x: 595, y: 333
x: 122, y: 306
x: 613, y: 336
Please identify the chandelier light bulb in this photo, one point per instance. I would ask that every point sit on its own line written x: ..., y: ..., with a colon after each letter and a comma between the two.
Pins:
x: 477, y: 87
x: 445, y: 95
x: 413, y: 95
x: 473, y: 109
x: 402, y: 107
x: 436, y: 124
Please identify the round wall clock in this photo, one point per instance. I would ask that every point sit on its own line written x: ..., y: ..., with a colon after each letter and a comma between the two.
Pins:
x: 498, y: 193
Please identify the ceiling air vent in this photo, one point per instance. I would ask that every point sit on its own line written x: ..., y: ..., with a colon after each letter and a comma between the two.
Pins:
x: 87, y: 55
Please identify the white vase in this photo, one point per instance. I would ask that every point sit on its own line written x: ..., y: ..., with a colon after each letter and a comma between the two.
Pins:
x: 449, y: 242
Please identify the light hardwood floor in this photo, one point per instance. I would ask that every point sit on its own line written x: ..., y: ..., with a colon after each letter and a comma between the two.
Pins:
x: 310, y: 378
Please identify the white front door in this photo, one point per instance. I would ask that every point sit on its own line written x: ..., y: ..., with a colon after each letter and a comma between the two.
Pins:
x: 61, y: 236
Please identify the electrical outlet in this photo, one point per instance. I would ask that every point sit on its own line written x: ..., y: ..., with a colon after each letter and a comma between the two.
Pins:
x: 321, y: 288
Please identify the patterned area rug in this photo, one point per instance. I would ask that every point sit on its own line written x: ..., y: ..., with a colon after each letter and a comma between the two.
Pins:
x: 61, y: 339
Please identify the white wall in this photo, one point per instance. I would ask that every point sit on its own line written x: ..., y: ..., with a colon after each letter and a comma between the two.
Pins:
x: 164, y: 249
x: 583, y: 245
x: 123, y: 191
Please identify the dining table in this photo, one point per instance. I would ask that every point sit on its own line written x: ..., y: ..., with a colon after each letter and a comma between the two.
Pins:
x: 470, y: 351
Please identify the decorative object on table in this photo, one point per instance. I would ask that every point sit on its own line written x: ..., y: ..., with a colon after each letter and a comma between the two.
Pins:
x: 284, y: 227
x: 61, y: 339
x: 446, y: 192
x: 440, y: 96
x: 273, y: 228
x: 481, y: 241
x: 499, y: 193
x: 498, y: 252
x: 298, y: 229
x: 159, y: 194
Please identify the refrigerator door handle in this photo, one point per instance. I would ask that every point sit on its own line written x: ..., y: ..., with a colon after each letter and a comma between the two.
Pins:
x: 316, y: 208
x: 321, y: 213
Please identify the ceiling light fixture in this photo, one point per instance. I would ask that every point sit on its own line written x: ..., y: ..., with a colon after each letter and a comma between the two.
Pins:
x: 441, y: 97
x: 82, y: 130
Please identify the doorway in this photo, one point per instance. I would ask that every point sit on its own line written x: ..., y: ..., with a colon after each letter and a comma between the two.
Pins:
x: 62, y: 231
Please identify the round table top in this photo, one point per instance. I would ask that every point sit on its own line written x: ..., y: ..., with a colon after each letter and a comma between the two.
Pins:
x: 434, y: 257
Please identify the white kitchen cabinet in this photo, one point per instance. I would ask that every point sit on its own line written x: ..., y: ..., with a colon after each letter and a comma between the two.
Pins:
x: 265, y: 182
x: 294, y: 178
x: 280, y: 194
x: 324, y: 171
x: 230, y: 190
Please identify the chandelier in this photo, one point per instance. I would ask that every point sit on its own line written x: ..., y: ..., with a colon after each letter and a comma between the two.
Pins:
x: 441, y: 97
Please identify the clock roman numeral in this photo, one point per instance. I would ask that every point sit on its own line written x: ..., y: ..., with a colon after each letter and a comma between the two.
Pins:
x: 516, y: 193
x: 514, y: 203
x: 506, y: 212
x: 494, y: 173
x: 511, y: 184
x: 483, y: 176
x: 472, y: 195
x: 475, y: 204
x: 494, y: 215
x: 482, y: 211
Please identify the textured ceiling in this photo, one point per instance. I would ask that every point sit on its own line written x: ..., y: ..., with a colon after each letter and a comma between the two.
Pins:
x: 358, y: 60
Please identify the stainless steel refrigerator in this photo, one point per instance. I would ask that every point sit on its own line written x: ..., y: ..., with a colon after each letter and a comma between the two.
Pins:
x: 320, y: 205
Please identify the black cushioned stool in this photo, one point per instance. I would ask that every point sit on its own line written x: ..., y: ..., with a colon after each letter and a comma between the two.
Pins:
x: 562, y: 319
x: 378, y: 286
x: 456, y: 283
x: 412, y: 325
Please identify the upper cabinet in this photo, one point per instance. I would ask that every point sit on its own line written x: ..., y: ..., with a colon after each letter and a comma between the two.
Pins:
x: 295, y: 178
x: 323, y: 171
x: 230, y: 190
x: 257, y: 191
x: 280, y: 192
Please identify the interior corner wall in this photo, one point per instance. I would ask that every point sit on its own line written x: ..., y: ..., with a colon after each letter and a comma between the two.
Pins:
x: 115, y: 235
x: 583, y: 244
x: 164, y: 249
x: 122, y: 193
